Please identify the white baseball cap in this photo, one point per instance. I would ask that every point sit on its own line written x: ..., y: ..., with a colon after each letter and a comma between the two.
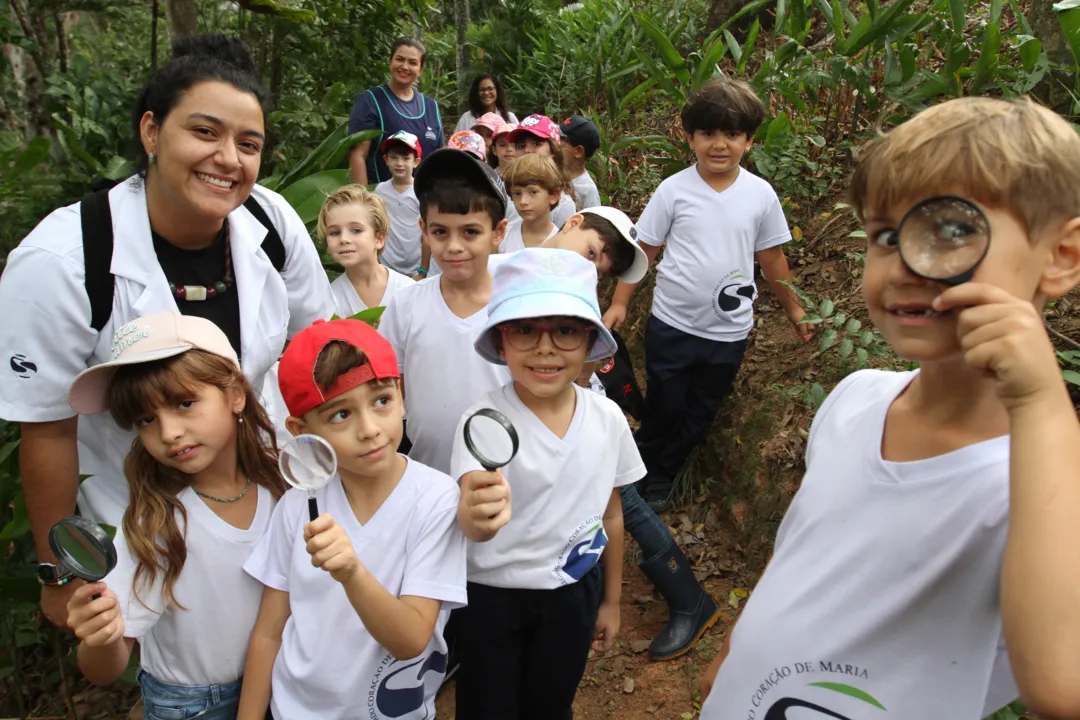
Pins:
x: 149, y: 338
x: 626, y: 228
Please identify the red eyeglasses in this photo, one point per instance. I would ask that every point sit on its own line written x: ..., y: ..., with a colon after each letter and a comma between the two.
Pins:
x: 565, y: 335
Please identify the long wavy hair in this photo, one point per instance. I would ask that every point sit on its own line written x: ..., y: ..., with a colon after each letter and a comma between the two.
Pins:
x: 477, y: 107
x: 150, y: 522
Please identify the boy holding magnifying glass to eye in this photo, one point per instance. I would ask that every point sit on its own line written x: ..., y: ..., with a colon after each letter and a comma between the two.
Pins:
x: 930, y: 555
x: 537, y: 598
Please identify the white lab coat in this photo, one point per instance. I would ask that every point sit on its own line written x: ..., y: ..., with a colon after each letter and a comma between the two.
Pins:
x: 45, y: 328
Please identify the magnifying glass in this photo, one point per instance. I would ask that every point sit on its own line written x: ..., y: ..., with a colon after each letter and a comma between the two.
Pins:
x: 491, y: 438
x: 308, y: 462
x: 84, y: 548
x: 944, y: 238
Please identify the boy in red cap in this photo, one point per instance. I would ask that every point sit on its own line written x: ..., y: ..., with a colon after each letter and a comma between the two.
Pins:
x: 402, y: 153
x: 355, y: 601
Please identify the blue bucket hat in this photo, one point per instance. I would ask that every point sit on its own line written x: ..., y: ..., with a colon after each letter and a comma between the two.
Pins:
x: 544, y: 282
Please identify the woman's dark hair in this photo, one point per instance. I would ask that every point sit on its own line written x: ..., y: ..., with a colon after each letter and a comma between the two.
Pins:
x: 477, y: 108
x: 409, y: 42
x: 195, y: 59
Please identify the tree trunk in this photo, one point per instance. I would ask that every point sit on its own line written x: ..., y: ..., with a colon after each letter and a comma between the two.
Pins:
x: 1053, y: 90
x: 720, y: 11
x: 182, y: 17
x: 461, y: 20
x: 33, y: 20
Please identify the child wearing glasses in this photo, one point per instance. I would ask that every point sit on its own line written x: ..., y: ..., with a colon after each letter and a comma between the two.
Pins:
x: 537, y: 598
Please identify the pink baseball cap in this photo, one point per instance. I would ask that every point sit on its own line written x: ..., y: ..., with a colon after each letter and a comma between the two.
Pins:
x: 470, y: 142
x: 541, y: 126
x: 405, y: 138
x: 504, y: 129
x: 296, y: 372
x: 491, y: 121
x: 149, y: 338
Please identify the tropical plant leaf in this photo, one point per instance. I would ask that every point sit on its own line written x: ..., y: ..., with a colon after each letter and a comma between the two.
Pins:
x: 314, y: 160
x: 827, y: 307
x: 308, y: 194
x: 778, y: 134
x: 671, y: 56
x: 35, y: 152
x: 340, y: 154
x: 748, y: 46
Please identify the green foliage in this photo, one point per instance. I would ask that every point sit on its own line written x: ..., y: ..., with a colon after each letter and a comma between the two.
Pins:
x: 843, y: 335
x: 1069, y: 360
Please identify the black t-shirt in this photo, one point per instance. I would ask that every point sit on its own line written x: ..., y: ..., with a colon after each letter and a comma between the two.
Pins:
x: 203, y: 267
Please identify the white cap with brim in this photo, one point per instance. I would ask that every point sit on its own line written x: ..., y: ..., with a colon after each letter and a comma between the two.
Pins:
x: 149, y: 338
x: 544, y: 282
x: 626, y: 229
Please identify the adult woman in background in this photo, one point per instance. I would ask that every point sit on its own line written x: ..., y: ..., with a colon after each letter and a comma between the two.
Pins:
x: 191, y: 231
x: 486, y: 95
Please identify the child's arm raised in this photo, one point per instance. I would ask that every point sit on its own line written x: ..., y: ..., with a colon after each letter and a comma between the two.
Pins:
x: 263, y: 650
x: 607, y: 619
x: 404, y: 625
x: 774, y: 267
x: 1040, y: 583
x: 103, y: 652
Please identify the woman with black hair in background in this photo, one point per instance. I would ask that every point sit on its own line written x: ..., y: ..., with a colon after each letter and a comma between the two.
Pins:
x: 189, y: 232
x: 486, y: 95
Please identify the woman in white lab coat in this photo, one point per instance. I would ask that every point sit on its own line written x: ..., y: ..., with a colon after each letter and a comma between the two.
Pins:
x: 180, y: 232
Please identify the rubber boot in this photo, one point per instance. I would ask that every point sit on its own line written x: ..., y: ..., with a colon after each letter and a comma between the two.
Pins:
x: 690, y: 609
x: 658, y: 492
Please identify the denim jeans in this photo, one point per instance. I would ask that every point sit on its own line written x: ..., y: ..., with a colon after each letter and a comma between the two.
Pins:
x: 644, y: 525
x: 165, y: 701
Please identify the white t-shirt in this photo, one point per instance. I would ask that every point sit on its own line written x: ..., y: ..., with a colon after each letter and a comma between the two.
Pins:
x: 329, y: 666
x: 562, y: 212
x: 559, y: 489
x: 468, y: 120
x: 402, y: 250
x: 443, y: 372
x: 206, y: 643
x: 705, y: 282
x: 348, y: 301
x: 513, y: 241
x: 885, y: 580
x: 588, y: 195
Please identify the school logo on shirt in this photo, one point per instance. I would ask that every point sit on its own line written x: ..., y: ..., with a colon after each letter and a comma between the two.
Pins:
x: 733, y: 296
x: 582, y: 552
x: 829, y: 699
x: 401, y: 688
x: 430, y: 134
x: 22, y: 367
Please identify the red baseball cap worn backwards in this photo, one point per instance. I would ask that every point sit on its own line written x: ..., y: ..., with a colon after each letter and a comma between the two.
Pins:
x: 296, y: 373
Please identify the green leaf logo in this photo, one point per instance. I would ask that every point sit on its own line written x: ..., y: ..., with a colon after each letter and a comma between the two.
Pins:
x: 850, y: 691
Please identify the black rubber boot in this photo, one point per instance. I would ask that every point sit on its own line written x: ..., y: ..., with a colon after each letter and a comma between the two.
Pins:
x: 691, y: 610
x: 655, y: 490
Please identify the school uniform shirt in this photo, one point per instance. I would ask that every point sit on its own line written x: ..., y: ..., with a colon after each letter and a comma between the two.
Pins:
x: 348, y: 301
x: 203, y: 639
x: 559, y: 490
x: 402, y: 250
x: 562, y: 212
x: 513, y: 240
x: 45, y: 325
x: 442, y: 371
x: 329, y: 666
x: 468, y: 120
x: 882, y: 597
x: 588, y: 195
x: 378, y: 108
x: 705, y: 281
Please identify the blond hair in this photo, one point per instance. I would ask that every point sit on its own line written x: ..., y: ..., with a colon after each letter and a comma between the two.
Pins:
x: 1007, y: 154
x: 355, y: 195
x: 533, y: 169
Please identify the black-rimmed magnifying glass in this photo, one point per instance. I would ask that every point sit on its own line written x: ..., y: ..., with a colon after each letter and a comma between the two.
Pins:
x: 84, y: 548
x: 308, y: 462
x: 491, y: 438
x: 944, y: 238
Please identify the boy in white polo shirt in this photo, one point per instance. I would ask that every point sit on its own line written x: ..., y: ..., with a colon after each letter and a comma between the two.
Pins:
x: 355, y: 601
x: 929, y: 557
x: 540, y: 599
x: 402, y: 154
x: 715, y: 219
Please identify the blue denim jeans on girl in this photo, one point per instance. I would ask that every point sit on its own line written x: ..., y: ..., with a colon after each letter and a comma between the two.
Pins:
x: 164, y: 701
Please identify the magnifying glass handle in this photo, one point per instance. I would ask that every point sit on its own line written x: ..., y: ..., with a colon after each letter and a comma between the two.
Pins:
x: 313, y: 507
x: 95, y: 596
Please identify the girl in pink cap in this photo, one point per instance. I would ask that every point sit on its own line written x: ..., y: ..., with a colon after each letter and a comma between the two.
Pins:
x: 204, y: 481
x: 540, y: 134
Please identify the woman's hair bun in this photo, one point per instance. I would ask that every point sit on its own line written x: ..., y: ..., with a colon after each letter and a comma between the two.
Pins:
x: 229, y: 50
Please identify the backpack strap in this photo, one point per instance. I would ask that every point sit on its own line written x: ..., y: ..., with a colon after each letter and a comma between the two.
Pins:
x: 97, y: 235
x: 271, y: 244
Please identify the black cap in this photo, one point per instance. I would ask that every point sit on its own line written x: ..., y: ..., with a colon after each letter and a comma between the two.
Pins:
x: 448, y: 162
x: 581, y: 131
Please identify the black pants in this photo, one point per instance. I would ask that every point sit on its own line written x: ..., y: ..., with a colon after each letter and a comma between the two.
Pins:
x: 523, y: 652
x: 689, y: 377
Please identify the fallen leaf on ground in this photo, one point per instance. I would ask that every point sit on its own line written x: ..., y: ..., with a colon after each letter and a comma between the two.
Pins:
x: 628, y: 684
x: 687, y: 716
x: 736, y: 596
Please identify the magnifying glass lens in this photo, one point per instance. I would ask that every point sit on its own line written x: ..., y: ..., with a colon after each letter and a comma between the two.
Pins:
x: 491, y: 438
x: 944, y: 238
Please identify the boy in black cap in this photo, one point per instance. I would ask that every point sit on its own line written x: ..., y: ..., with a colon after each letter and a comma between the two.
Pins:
x: 581, y: 138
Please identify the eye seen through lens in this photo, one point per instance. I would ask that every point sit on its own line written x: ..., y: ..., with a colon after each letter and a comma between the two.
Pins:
x: 944, y: 238
x: 525, y: 335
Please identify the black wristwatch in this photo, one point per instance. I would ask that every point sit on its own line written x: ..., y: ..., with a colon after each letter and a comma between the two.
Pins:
x: 52, y: 574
